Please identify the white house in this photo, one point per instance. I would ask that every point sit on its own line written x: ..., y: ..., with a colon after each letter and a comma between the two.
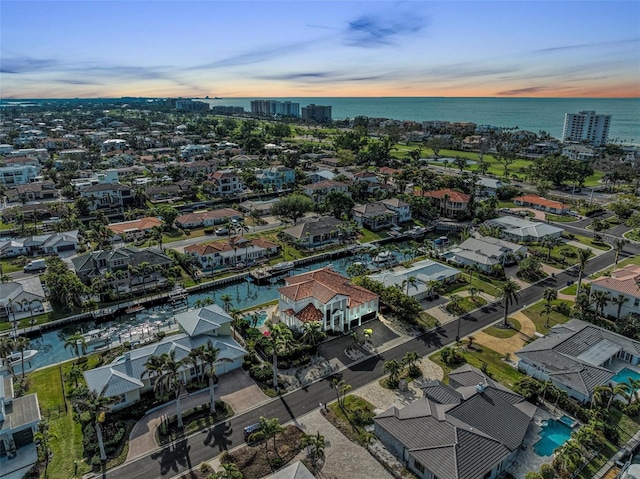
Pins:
x: 124, y: 379
x: 519, y: 229
x: 417, y: 281
x: 487, y: 252
x: 205, y: 219
x: 623, y: 282
x: 328, y: 297
x: 232, y: 252
x: 20, y: 299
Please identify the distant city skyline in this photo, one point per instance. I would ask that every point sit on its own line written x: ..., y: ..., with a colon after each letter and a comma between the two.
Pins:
x: 271, y: 49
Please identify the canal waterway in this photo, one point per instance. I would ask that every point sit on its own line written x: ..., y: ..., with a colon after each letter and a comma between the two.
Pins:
x: 244, y: 295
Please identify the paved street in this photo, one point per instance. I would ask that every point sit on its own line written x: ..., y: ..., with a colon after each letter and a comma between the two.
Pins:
x: 205, y: 445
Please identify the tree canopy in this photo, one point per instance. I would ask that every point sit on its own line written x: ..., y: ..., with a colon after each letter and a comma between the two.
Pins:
x: 292, y: 207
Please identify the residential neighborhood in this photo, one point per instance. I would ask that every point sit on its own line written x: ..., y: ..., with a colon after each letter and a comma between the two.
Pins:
x: 170, y: 269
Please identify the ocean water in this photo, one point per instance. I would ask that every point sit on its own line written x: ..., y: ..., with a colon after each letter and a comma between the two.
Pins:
x: 533, y: 114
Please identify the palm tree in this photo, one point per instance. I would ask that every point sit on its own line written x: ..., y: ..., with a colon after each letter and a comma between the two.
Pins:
x: 547, y: 311
x: 473, y: 292
x: 550, y: 242
x: 454, y: 302
x: 153, y: 369
x: 6, y: 348
x: 601, y: 394
x: 96, y: 405
x: 410, y: 281
x: 43, y: 438
x: 226, y: 301
x: 312, y: 332
x: 281, y: 338
x: 315, y: 446
x: 618, y: 246
x: 210, y: 359
x: 341, y: 388
x: 583, y: 259
x: 546, y: 386
x: 508, y: 294
x: 410, y: 360
x: 74, y: 375
x: 619, y: 301
x: 21, y: 343
x: 156, y: 235
x: 195, y: 359
x: 393, y: 368
x: 77, y: 343
x: 170, y: 377
x: 601, y: 299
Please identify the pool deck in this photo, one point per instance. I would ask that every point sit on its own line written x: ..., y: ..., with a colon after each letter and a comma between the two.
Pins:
x: 527, y: 460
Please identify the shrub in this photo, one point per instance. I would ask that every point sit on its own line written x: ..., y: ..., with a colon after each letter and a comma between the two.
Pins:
x: 225, y: 458
x: 96, y: 463
x: 564, y: 309
x: 206, y: 469
x: 208, y: 231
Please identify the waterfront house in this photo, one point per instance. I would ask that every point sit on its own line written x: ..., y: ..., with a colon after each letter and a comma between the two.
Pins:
x: 515, y: 228
x: 314, y: 233
x: 381, y: 214
x: 487, y: 252
x: 231, y: 252
x: 623, y: 282
x: 424, y: 273
x: 43, y: 191
x: 19, y: 419
x: 21, y: 298
x: 127, y: 269
x: 125, y: 378
x: 328, y: 297
x: 472, y: 430
x: 450, y: 203
x: 578, y: 356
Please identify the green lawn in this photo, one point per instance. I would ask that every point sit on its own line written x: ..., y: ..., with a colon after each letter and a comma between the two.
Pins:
x: 367, y: 236
x: 504, y: 333
x: 633, y: 235
x: 346, y: 420
x: 561, y: 257
x: 486, y: 285
x: 571, y: 290
x: 589, y: 242
x: 496, y: 367
x: 67, y: 448
x: 561, y: 218
x: 536, y: 314
x: 467, y: 304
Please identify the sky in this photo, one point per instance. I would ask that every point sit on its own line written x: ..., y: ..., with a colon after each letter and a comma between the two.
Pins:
x: 329, y: 48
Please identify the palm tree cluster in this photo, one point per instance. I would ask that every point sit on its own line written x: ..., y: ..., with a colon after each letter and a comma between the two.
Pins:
x: 394, y: 368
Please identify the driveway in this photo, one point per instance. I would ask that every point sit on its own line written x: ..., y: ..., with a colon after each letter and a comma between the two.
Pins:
x: 235, y: 388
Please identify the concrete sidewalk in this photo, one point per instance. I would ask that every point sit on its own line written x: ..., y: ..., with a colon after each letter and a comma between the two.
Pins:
x: 235, y: 388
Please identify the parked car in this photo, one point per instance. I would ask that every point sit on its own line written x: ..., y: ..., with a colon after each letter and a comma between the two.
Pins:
x: 573, y: 213
x: 37, y: 265
x: 222, y: 231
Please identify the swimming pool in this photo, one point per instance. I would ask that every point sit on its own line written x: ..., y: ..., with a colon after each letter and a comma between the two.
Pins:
x: 624, y: 375
x: 262, y: 318
x: 553, y: 435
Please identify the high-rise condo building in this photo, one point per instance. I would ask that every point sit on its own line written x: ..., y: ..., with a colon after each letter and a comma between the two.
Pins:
x: 273, y: 107
x: 586, y: 126
x: 321, y: 114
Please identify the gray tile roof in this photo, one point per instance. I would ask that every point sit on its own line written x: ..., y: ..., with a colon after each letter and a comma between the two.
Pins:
x: 441, y: 393
x: 464, y: 439
x: 203, y: 320
x: 21, y: 412
x: 572, y: 354
x: 467, y: 375
x: 490, y: 413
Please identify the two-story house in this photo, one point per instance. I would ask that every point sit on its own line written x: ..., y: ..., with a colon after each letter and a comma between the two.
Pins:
x: 107, y: 195
x: 128, y: 269
x: 125, y: 379
x: 623, y: 283
x: 226, y: 183
x: 382, y: 214
x: 450, y: 203
x: 314, y: 233
x: 42, y: 191
x: 232, y: 252
x: 328, y: 297
x: 319, y: 191
x: 276, y: 177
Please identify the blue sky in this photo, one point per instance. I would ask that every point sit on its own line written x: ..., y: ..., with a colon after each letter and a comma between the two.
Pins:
x: 328, y: 48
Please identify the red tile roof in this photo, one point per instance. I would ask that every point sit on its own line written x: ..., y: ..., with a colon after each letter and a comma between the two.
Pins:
x: 142, y: 224
x: 624, y: 281
x: 309, y: 313
x: 454, y: 196
x: 323, y: 285
x: 538, y: 200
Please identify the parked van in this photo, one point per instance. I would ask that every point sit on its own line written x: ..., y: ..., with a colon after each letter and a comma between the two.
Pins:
x: 37, y: 265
